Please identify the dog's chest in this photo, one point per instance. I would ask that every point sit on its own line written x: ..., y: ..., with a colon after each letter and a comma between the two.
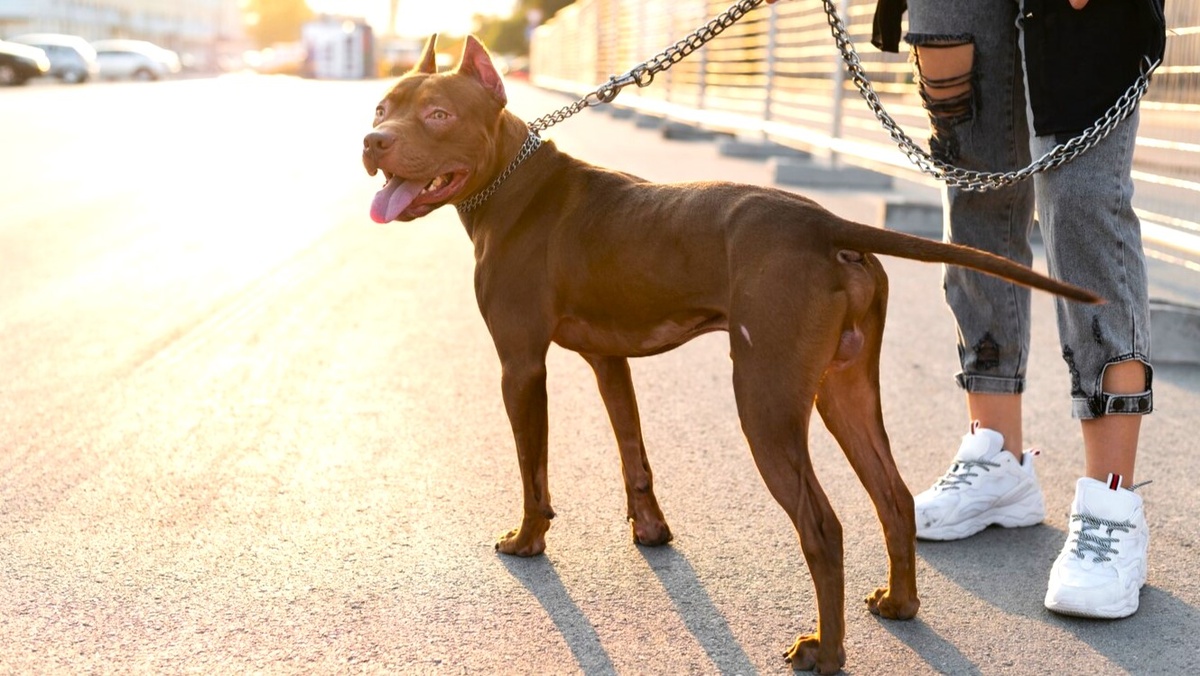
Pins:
x: 617, y: 337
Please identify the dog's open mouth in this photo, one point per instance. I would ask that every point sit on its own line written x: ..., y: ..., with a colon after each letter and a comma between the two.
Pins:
x: 407, y: 198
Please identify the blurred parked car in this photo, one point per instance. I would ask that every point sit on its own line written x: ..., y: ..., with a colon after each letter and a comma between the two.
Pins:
x: 19, y: 63
x: 135, y: 60
x: 72, y: 59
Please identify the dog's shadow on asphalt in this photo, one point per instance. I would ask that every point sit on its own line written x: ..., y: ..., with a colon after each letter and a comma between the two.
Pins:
x: 538, y: 575
x: 696, y: 608
x: 1007, y: 568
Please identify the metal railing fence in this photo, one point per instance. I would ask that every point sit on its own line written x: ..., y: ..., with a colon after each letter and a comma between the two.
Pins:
x: 777, y: 75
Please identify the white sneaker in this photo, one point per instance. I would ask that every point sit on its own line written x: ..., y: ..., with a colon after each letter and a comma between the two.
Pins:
x: 1102, y: 566
x: 985, y: 486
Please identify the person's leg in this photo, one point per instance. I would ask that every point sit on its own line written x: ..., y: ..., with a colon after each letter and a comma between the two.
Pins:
x: 969, y: 70
x: 1000, y: 412
x: 1110, y: 442
x: 1093, y: 239
x: 968, y: 63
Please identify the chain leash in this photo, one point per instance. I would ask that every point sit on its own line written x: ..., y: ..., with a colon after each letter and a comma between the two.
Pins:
x: 643, y: 74
x: 981, y: 181
x: 967, y: 179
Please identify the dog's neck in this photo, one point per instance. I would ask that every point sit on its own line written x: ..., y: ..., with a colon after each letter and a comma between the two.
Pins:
x: 515, y: 143
x: 528, y: 147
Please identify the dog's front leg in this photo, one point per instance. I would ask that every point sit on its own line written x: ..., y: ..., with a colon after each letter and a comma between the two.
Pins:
x: 616, y: 388
x: 524, y: 385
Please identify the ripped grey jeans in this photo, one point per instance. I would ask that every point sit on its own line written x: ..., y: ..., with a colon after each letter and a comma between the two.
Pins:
x: 981, y: 120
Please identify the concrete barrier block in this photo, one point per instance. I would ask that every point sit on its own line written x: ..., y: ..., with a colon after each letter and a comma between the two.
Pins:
x: 759, y: 150
x: 682, y: 131
x: 913, y: 217
x: 823, y: 176
x: 647, y: 121
x: 1175, y: 333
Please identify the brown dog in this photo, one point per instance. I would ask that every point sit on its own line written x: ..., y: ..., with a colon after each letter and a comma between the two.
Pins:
x: 612, y: 267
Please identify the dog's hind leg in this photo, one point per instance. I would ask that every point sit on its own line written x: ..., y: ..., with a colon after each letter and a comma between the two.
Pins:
x: 774, y: 388
x: 646, y: 519
x: 848, y: 401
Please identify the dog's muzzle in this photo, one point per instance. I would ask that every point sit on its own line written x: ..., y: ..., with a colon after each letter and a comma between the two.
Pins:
x: 375, y: 142
x: 369, y: 162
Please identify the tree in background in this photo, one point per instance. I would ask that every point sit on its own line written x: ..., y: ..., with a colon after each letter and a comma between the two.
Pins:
x: 510, y: 35
x: 504, y: 36
x: 546, y: 7
x: 273, y: 21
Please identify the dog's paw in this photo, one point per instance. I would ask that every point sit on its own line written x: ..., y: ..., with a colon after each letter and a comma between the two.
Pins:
x: 806, y: 655
x: 513, y: 543
x: 651, y: 534
x: 528, y: 540
x: 883, y: 604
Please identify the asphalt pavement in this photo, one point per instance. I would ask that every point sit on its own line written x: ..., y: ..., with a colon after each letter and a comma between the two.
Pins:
x: 245, y: 429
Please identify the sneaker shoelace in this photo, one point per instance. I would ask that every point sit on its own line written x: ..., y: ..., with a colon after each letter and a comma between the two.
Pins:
x: 960, y: 473
x: 1095, y: 543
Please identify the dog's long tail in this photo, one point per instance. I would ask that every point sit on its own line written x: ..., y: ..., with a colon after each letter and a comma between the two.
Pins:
x: 852, y: 235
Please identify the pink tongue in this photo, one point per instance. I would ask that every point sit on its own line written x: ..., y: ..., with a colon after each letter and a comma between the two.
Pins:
x: 394, y: 198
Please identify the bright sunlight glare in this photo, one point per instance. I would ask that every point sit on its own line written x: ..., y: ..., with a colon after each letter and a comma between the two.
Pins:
x: 417, y: 18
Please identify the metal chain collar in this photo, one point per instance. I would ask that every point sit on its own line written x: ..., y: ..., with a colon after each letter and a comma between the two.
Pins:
x: 532, y: 143
x: 981, y: 181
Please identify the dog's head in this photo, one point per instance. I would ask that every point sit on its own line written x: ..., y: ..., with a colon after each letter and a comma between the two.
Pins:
x: 435, y: 134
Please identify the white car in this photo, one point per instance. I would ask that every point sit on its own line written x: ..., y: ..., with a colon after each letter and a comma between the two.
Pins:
x: 72, y: 59
x: 134, y: 60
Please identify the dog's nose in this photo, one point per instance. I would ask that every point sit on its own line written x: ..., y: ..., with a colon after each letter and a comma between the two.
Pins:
x: 378, y: 141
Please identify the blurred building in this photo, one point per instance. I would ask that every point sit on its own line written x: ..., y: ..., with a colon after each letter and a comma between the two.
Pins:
x: 207, y: 34
x: 338, y: 48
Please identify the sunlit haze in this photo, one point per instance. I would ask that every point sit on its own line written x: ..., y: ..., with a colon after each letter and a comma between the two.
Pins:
x: 417, y: 18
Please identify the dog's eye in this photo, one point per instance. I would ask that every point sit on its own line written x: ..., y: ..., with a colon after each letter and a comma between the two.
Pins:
x: 439, y: 114
x: 378, y: 111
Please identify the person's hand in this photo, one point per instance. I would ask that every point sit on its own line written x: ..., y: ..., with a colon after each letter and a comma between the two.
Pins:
x: 1077, y: 4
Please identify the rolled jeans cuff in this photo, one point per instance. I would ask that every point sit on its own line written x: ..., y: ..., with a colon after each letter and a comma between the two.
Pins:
x: 1087, y: 408
x: 978, y: 384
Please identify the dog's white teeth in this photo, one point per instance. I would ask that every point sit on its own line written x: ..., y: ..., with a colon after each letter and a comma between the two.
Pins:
x: 436, y: 184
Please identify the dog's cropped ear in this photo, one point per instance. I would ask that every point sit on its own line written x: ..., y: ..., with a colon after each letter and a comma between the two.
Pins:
x: 477, y: 63
x: 429, y: 57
